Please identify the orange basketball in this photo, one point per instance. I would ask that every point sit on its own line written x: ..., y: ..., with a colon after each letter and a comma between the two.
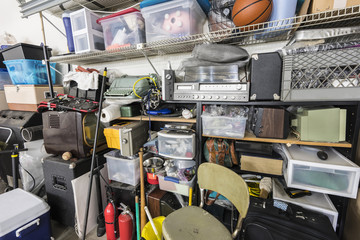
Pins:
x: 247, y: 12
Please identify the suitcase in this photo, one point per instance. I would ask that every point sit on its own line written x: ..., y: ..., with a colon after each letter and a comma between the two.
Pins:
x: 264, y: 221
x: 58, y: 175
x: 265, y: 77
x: 24, y: 216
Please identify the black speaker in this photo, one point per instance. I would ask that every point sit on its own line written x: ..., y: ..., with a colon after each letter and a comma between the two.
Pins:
x: 58, y: 176
x: 265, y: 76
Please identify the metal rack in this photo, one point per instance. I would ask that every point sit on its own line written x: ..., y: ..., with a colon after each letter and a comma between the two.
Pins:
x: 253, y: 34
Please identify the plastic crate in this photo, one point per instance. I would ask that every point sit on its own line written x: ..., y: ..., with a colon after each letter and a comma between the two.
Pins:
x: 175, y: 185
x: 4, y: 78
x: 336, y: 175
x: 24, y: 51
x: 320, y: 76
x: 173, y: 19
x: 124, y: 169
x: 222, y: 126
x: 123, y: 28
x: 28, y: 71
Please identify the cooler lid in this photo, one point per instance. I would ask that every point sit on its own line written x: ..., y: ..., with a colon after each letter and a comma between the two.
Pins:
x: 17, y: 208
x: 129, y: 10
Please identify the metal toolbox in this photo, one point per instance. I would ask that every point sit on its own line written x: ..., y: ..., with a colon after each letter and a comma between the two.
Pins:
x: 324, y: 75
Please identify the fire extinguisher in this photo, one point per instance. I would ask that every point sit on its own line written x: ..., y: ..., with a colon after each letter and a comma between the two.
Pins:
x: 126, y: 223
x: 110, y: 214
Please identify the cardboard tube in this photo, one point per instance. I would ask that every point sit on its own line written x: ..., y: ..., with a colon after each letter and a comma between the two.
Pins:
x: 142, y: 191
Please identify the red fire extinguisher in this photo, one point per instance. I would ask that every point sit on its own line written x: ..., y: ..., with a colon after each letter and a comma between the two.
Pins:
x: 110, y: 214
x: 126, y: 223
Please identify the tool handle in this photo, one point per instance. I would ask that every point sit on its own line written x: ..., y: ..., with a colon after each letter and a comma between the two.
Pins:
x: 142, y: 190
x: 137, y: 217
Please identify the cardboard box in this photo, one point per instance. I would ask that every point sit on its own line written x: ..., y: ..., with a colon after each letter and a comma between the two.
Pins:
x: 327, y: 5
x: 27, y: 97
x: 261, y: 164
x: 3, y: 104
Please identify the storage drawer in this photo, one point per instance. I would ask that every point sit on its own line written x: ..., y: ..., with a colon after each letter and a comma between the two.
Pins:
x: 174, y: 144
x: 222, y: 126
x: 336, y: 175
x: 175, y: 185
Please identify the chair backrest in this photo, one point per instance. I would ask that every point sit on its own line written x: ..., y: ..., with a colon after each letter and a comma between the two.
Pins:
x: 226, y: 182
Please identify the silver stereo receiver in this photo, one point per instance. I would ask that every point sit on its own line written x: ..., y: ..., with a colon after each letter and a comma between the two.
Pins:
x: 207, y: 83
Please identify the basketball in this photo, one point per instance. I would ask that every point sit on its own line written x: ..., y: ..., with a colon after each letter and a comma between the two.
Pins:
x: 247, y: 12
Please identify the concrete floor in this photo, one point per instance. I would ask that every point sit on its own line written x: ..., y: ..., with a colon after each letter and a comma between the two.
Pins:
x: 59, y: 231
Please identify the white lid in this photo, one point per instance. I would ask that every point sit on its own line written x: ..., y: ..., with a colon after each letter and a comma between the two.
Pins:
x: 309, y: 154
x: 17, y: 208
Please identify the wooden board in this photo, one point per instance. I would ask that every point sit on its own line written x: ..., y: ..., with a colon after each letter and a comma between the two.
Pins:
x: 23, y: 107
x: 290, y: 140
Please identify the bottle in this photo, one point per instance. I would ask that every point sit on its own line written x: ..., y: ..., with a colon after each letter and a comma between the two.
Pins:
x: 69, y: 36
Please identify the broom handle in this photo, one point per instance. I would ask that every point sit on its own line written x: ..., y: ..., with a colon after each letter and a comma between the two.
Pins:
x: 142, y: 190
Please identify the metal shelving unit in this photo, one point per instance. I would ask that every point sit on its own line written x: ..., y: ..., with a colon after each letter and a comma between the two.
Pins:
x: 253, y: 34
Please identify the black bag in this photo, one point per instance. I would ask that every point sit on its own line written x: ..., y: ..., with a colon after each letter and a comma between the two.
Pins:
x: 266, y: 222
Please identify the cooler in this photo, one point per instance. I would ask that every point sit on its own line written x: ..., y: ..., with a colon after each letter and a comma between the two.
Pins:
x: 24, y: 215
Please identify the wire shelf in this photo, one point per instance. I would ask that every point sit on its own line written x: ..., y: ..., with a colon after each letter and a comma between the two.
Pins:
x: 280, y: 30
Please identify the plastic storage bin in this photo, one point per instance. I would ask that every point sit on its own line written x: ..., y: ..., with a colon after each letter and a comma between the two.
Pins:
x: 124, y: 169
x: 24, y: 216
x: 87, y: 33
x: 224, y: 126
x: 336, y: 175
x: 175, y: 144
x: 317, y: 202
x: 24, y: 51
x: 4, y: 78
x: 28, y: 71
x: 124, y: 28
x: 175, y: 185
x: 173, y: 19
x: 320, y: 76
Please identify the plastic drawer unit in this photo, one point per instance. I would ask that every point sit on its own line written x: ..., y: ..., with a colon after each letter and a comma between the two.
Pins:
x: 172, y: 19
x: 175, y: 144
x: 175, y: 185
x: 124, y: 169
x: 322, y: 75
x: 24, y: 216
x: 224, y: 126
x: 336, y: 175
x: 318, y: 202
x: 123, y: 28
x: 87, y: 33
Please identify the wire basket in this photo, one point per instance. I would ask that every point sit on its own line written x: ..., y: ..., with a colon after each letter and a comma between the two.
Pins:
x: 220, y: 15
x: 322, y: 75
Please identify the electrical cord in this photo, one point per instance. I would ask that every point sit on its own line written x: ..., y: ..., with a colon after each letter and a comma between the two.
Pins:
x: 32, y: 177
x: 134, y: 91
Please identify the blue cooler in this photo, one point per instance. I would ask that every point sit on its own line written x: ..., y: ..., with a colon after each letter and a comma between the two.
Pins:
x: 24, y: 216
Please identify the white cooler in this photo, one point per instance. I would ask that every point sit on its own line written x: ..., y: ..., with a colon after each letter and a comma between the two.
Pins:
x: 24, y: 216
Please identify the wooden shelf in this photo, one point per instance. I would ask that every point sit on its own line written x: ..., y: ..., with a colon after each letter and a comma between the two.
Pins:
x: 290, y: 140
x: 159, y: 119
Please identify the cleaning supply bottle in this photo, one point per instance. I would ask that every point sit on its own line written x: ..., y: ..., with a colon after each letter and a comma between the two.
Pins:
x: 69, y: 36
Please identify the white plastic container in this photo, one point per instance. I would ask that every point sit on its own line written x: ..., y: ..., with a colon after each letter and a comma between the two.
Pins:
x: 24, y: 216
x: 124, y: 28
x: 173, y: 19
x: 174, y: 144
x: 336, y: 175
x: 124, y: 169
x: 87, y: 33
x: 233, y: 127
x: 317, y: 202
x: 175, y: 186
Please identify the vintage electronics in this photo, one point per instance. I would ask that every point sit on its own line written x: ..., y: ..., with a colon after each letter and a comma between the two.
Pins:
x: 167, y: 87
x: 265, y: 76
x: 270, y: 123
x: 326, y: 124
x: 122, y: 88
x: 58, y: 175
x: 70, y: 132
x: 336, y: 175
x: 177, y: 144
x: 128, y: 137
x: 212, y: 83
x: 24, y: 216
x: 162, y: 203
x: 11, y: 124
x: 125, y: 193
x: 254, y: 147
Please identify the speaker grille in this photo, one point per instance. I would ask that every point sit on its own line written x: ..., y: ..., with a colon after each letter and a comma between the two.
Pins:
x: 54, y: 121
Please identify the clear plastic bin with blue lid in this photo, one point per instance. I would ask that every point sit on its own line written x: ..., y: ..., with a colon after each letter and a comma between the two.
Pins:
x: 4, y: 78
x: 172, y: 19
x: 123, y: 28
